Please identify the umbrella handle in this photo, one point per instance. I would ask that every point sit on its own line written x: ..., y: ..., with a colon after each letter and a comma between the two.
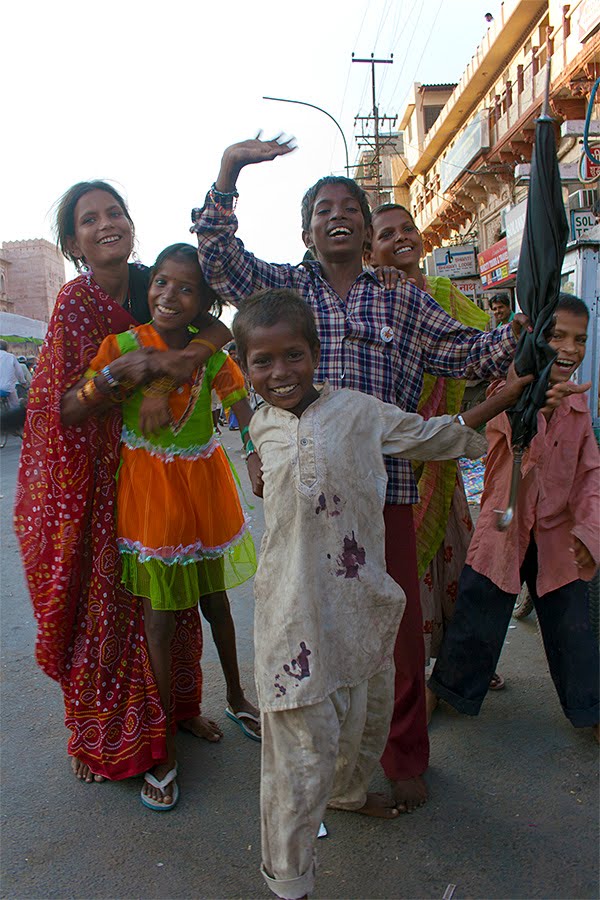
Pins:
x: 505, y: 518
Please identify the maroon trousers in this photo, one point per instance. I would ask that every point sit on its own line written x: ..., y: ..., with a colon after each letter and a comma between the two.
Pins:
x: 407, y: 750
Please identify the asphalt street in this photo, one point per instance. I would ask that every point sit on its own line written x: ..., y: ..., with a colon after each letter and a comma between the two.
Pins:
x: 514, y: 794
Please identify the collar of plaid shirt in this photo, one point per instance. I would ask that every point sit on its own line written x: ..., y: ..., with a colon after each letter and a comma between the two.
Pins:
x: 377, y: 341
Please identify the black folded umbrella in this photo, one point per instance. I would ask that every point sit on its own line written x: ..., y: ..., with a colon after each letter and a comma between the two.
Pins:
x: 538, y: 286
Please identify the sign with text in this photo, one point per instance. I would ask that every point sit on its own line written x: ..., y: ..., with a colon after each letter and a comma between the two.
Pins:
x: 515, y: 226
x: 455, y: 262
x: 469, y: 144
x: 589, y: 171
x: 581, y: 221
x: 493, y: 265
x: 471, y: 287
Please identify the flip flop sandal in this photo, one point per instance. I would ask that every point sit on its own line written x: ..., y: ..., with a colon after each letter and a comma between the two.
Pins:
x: 497, y: 682
x: 149, y: 802
x: 238, y: 719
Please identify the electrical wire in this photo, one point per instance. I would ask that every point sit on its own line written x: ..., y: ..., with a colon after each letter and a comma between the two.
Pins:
x: 586, y: 127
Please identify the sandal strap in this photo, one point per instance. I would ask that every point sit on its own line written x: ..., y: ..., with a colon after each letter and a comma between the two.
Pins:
x: 161, y: 785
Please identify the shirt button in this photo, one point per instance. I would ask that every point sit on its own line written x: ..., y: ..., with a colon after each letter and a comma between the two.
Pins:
x: 304, y: 442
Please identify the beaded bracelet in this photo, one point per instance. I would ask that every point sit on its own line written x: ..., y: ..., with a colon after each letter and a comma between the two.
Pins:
x: 112, y: 382
x: 214, y: 193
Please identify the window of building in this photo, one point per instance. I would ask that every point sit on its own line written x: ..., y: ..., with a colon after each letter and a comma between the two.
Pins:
x: 431, y: 113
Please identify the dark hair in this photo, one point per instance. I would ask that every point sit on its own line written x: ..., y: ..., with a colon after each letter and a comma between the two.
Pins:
x: 387, y: 207
x: 210, y: 299
x: 310, y: 197
x: 568, y: 303
x: 3, y: 345
x: 267, y: 308
x: 64, y: 225
x: 504, y: 299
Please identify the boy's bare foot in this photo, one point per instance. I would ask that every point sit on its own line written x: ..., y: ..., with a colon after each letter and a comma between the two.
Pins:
x: 166, y: 795
x: 244, y: 705
x: 431, y: 702
x: 409, y: 794
x: 203, y: 728
x: 84, y: 773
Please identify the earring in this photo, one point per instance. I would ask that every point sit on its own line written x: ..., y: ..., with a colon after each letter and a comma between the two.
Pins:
x: 136, y: 260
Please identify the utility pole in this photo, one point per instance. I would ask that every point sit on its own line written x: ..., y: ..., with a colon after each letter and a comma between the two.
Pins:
x: 377, y: 141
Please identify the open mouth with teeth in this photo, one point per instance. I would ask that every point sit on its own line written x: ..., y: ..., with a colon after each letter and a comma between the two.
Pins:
x: 564, y: 364
x: 339, y: 231
x: 283, y: 391
x: 402, y: 250
x: 166, y: 310
x: 111, y: 239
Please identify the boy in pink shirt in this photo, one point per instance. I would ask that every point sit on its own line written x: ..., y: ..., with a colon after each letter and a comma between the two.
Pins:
x: 553, y: 545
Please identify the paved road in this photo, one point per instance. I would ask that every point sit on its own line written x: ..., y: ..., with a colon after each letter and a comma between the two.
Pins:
x: 513, y: 811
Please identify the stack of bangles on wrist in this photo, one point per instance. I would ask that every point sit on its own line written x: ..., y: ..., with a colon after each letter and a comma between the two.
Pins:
x: 91, y: 394
x: 249, y: 447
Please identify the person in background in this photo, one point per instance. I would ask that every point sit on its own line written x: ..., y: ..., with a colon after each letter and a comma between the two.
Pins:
x: 501, y: 308
x: 11, y: 375
x: 232, y: 418
x: 553, y: 544
x: 442, y: 518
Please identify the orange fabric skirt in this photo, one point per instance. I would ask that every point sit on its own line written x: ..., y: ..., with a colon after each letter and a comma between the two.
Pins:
x: 181, y: 529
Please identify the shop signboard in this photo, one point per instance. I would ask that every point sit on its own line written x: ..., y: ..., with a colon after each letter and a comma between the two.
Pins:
x: 514, y: 223
x: 581, y: 221
x: 469, y: 144
x: 589, y: 171
x: 470, y: 287
x: 493, y: 265
x: 455, y: 262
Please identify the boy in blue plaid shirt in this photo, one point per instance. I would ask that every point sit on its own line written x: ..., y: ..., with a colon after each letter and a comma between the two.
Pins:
x: 376, y: 340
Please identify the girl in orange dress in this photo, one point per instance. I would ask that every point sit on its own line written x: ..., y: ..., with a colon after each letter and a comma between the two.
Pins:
x: 181, y: 531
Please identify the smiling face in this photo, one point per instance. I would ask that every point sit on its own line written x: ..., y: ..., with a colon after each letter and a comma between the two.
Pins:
x: 568, y: 338
x: 175, y: 295
x: 337, y: 225
x: 103, y: 233
x: 396, y: 241
x: 501, y: 312
x: 281, y: 366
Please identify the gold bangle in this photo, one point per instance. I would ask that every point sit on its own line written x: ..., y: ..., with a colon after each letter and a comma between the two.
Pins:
x: 198, y: 340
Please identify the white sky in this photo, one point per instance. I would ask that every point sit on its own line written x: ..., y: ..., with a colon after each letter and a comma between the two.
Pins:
x: 149, y: 94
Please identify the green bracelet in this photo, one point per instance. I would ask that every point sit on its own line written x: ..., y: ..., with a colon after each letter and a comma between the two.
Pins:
x: 249, y: 447
x: 244, y: 431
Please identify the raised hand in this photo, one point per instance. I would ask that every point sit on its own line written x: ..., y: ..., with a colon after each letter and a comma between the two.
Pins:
x: 247, y: 153
x: 556, y: 393
x: 515, y: 384
x: 389, y: 276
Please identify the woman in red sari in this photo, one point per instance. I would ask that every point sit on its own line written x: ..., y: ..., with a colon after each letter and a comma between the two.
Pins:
x: 90, y: 635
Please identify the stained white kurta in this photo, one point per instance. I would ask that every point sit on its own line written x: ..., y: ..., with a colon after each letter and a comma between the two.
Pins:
x: 327, y: 612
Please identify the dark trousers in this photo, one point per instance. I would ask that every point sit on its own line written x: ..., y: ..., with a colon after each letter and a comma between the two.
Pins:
x: 407, y: 750
x: 474, y: 638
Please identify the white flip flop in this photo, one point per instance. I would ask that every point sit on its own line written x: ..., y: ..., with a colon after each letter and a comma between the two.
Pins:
x: 238, y: 719
x: 149, y: 802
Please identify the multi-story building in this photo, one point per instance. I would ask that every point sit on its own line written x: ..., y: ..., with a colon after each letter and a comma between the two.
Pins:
x: 31, y: 275
x: 465, y: 167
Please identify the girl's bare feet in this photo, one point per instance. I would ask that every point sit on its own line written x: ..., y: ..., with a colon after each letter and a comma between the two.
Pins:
x: 410, y: 793
x: 84, y: 773
x: 203, y: 728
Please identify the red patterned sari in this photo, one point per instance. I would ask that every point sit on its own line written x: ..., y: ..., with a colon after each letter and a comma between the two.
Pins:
x: 90, y: 634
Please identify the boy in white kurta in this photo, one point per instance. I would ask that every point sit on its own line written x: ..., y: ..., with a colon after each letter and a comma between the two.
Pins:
x: 327, y: 613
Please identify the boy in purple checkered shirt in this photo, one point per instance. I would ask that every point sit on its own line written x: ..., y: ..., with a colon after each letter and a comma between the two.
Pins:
x: 374, y: 340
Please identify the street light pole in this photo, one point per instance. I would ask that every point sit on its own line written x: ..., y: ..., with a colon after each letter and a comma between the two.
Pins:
x: 314, y: 106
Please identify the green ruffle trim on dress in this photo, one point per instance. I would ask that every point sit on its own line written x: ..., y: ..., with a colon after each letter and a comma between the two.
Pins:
x: 173, y: 587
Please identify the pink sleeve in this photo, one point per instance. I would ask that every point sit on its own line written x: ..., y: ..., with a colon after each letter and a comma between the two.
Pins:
x: 585, y: 496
